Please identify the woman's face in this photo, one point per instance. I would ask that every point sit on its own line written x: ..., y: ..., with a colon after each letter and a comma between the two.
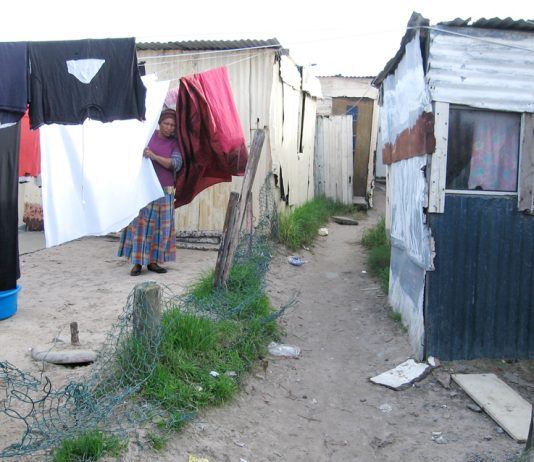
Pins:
x: 167, y: 127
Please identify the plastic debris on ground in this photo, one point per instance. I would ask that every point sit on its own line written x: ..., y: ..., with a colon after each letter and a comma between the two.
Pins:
x: 323, y: 232
x: 295, y: 261
x: 286, y: 351
x: 197, y: 459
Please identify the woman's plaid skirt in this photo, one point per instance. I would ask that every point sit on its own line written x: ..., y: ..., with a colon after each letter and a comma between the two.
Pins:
x: 151, y: 236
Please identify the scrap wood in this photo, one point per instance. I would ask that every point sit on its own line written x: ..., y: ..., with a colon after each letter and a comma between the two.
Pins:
x: 345, y: 220
x: 64, y: 356
x: 198, y: 240
x: 501, y: 402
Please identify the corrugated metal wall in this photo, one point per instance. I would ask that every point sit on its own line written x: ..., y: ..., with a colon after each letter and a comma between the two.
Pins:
x: 292, y: 154
x: 263, y: 100
x: 333, y: 168
x: 480, y: 298
x: 251, y: 74
x: 482, y: 68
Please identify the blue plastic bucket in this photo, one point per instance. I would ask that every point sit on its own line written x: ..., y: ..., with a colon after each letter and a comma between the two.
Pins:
x: 8, y: 302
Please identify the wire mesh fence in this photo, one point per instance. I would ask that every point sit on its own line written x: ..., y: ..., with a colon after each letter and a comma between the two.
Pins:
x: 42, y: 415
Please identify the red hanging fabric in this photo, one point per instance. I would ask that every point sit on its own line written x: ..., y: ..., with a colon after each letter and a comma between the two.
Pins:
x: 30, y: 149
x: 210, y: 134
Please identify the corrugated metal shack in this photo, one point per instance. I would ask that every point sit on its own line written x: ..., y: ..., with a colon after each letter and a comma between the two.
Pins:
x: 271, y: 92
x: 457, y: 134
x: 353, y: 98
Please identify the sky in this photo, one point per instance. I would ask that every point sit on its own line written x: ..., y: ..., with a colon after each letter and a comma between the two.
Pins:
x: 337, y: 37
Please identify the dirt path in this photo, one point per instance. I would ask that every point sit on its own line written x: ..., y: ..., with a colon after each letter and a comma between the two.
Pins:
x: 320, y: 407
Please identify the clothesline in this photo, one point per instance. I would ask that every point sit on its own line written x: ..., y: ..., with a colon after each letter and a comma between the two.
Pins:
x: 142, y: 58
x: 196, y: 53
x: 480, y: 39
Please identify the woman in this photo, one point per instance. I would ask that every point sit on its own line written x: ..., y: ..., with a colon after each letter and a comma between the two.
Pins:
x: 150, y: 238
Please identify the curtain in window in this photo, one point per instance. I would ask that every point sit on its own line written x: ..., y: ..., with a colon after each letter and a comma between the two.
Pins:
x: 494, y: 152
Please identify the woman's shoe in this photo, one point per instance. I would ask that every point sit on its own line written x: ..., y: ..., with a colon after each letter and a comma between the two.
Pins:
x: 156, y: 268
x: 136, y: 270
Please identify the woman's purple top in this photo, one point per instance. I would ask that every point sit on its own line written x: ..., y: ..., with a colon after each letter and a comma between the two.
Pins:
x: 166, y: 147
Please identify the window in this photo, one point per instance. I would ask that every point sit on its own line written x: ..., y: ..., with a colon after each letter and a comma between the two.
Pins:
x: 483, y: 150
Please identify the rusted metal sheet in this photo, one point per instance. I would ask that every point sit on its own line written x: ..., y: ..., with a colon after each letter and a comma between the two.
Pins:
x: 480, y: 298
x: 413, y: 141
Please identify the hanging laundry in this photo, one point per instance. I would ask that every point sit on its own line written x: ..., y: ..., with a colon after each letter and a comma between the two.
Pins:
x: 13, y: 81
x: 94, y: 177
x: 78, y: 79
x: 9, y: 219
x: 30, y: 150
x: 209, y: 133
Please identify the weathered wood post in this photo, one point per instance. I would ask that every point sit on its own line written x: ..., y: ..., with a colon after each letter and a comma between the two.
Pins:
x: 235, y: 213
x: 146, y: 314
x: 74, y: 338
x: 231, y: 211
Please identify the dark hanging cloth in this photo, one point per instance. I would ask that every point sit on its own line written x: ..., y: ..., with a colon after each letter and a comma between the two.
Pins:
x: 73, y: 80
x: 210, y: 134
x: 9, y: 217
x: 13, y: 81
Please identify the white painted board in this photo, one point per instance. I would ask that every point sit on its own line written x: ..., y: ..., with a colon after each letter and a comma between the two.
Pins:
x: 403, y: 375
x: 501, y: 402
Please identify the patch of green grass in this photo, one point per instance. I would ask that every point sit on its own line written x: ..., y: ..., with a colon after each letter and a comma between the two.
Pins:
x: 298, y: 227
x: 89, y: 446
x: 376, y: 241
x: 395, y: 316
x: 203, y: 354
x: 526, y: 456
x: 376, y: 236
x: 158, y: 441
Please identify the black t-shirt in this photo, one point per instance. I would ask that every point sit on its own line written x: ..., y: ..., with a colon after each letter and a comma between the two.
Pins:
x: 76, y: 79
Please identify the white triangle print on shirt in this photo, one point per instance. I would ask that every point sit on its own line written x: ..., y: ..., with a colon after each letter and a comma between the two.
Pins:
x: 84, y: 69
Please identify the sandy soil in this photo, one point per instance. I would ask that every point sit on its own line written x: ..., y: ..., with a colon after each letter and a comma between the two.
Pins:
x: 320, y: 407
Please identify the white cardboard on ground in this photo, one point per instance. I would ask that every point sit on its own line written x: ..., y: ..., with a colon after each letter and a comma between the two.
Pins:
x: 403, y: 375
x: 502, y: 403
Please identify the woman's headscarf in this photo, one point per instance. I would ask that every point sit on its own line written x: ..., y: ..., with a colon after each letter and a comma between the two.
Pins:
x: 167, y: 114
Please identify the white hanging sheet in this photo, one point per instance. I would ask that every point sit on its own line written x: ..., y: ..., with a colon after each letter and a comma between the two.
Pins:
x: 95, y: 179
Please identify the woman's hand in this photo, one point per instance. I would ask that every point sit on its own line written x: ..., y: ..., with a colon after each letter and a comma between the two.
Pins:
x: 148, y: 153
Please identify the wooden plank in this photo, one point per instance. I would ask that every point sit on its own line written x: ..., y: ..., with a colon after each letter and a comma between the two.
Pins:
x: 344, y: 220
x: 438, y: 170
x: 229, y: 220
x: 526, y: 167
x: 235, y: 225
x: 502, y: 403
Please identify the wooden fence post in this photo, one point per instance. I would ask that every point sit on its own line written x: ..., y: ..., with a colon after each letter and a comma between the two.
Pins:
x: 146, y: 310
x: 236, y: 213
x: 225, y: 242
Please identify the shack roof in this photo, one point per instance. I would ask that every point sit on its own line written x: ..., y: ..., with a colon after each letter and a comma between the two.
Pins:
x: 418, y: 22
x: 196, y: 45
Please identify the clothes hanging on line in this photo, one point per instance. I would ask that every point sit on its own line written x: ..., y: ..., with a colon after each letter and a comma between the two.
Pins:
x: 13, y: 81
x: 30, y: 150
x: 95, y: 179
x: 78, y: 79
x: 9, y: 219
x: 209, y: 133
